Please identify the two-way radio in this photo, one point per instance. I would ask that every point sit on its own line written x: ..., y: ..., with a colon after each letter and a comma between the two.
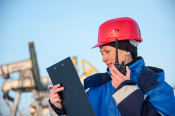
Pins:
x: 122, y: 67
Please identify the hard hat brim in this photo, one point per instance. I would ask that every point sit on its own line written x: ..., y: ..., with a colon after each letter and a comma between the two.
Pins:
x: 100, y: 44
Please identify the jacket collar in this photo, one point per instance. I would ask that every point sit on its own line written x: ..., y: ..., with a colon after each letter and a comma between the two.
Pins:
x: 136, y: 65
x: 145, y: 77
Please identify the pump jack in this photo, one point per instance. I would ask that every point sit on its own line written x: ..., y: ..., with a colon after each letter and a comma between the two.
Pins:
x: 30, y: 80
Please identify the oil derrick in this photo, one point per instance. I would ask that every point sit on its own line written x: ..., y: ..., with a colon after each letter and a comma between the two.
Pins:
x: 86, y: 72
x: 29, y: 80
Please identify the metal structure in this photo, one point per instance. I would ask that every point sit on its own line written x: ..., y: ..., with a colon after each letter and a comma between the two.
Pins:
x: 30, y: 81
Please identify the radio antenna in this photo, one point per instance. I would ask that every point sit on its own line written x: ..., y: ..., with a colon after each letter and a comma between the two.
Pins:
x: 116, y: 45
x: 121, y: 68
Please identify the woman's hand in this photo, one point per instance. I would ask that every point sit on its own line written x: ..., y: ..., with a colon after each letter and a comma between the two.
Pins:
x: 118, y: 77
x: 54, y: 96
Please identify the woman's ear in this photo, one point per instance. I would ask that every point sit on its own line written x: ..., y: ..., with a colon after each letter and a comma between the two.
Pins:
x: 127, y: 53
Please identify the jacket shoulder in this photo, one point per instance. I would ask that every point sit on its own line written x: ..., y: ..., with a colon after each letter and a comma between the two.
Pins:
x: 152, y: 80
x: 96, y: 79
x: 148, y: 78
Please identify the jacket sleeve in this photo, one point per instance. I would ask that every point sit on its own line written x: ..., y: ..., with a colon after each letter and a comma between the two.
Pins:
x: 55, y: 111
x: 130, y: 101
x: 162, y: 98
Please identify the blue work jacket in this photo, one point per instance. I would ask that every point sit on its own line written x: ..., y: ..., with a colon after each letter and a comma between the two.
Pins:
x: 153, y: 96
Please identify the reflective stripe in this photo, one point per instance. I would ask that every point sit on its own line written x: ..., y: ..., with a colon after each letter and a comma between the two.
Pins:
x: 160, y: 114
x: 145, y: 96
x: 52, y: 112
x: 124, y: 92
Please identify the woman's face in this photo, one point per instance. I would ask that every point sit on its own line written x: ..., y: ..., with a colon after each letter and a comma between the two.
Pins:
x: 109, y: 54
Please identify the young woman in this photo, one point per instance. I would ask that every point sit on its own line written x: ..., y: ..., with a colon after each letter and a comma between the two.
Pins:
x: 141, y: 92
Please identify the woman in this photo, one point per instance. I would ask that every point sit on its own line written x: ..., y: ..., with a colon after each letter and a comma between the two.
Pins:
x: 141, y: 92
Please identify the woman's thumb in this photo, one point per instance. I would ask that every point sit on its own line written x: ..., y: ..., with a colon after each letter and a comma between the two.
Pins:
x: 128, y: 72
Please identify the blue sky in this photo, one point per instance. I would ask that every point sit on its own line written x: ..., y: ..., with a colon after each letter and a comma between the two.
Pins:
x: 70, y: 28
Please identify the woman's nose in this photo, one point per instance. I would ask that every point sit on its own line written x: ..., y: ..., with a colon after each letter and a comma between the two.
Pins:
x: 104, y: 59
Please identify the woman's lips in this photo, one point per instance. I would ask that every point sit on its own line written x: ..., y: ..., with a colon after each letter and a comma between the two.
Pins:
x: 109, y: 64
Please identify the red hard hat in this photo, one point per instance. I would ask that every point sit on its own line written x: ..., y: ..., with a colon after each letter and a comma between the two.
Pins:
x: 124, y: 28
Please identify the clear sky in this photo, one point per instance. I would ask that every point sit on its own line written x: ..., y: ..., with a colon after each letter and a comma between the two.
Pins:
x: 70, y: 28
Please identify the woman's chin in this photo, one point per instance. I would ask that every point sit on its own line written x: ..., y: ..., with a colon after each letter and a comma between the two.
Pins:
x: 109, y: 66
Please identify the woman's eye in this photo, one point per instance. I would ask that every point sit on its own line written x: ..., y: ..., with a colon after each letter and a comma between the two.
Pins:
x: 107, y: 51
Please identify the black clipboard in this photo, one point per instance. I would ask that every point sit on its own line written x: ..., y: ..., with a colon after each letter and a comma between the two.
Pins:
x: 74, y: 99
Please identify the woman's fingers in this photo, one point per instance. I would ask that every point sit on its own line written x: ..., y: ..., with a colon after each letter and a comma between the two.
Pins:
x: 59, y: 89
x: 55, y: 90
x: 56, y: 86
x: 128, y: 72
x: 56, y: 100
x: 115, y: 82
x: 57, y: 103
x: 113, y: 78
x: 118, y: 77
x: 55, y: 96
x: 59, y: 100
x: 113, y: 73
x: 116, y: 71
